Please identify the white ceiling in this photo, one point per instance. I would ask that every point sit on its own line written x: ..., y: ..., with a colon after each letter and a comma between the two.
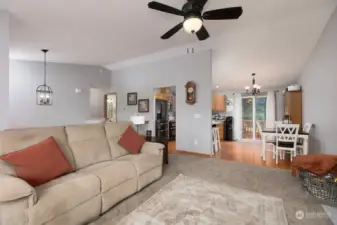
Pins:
x: 273, y: 38
x: 94, y: 32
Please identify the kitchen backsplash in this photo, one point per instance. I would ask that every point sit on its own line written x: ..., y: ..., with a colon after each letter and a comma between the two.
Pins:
x: 218, y: 116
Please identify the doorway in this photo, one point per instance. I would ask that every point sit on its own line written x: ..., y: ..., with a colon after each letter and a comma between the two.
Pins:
x: 253, y: 110
x: 110, y: 107
x: 165, y: 112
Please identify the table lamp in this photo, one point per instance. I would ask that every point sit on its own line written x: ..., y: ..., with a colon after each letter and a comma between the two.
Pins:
x: 137, y: 120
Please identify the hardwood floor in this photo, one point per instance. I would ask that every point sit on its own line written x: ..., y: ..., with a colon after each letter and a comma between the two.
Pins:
x: 250, y: 153
x: 244, y: 152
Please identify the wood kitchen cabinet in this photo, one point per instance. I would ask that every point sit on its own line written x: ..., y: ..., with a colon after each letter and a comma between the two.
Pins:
x: 293, y: 106
x: 219, y: 103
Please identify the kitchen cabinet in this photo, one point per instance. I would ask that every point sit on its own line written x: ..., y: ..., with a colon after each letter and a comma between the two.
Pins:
x: 293, y: 106
x: 219, y: 103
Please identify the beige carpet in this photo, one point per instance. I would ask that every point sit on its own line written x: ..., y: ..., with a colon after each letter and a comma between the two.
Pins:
x: 266, y: 181
x: 194, y: 201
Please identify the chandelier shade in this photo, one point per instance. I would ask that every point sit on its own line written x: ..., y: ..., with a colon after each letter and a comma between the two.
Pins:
x: 256, y: 89
x: 44, y: 93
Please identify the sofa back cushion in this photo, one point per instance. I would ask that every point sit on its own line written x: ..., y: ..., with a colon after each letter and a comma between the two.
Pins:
x: 39, y: 163
x: 14, y: 140
x: 114, y: 132
x: 131, y: 141
x: 88, y: 144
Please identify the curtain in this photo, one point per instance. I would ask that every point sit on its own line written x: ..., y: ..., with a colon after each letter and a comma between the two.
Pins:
x: 237, y: 116
x: 271, y: 109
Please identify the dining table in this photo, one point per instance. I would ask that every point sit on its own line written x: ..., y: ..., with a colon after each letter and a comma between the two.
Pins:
x: 271, y: 132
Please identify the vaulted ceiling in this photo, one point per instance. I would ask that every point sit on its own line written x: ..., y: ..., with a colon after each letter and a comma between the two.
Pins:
x: 273, y: 38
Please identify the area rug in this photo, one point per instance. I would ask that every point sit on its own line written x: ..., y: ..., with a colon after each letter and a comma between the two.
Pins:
x: 191, y: 201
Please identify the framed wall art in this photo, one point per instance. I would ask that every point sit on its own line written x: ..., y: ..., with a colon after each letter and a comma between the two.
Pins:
x: 143, y: 105
x: 132, y: 98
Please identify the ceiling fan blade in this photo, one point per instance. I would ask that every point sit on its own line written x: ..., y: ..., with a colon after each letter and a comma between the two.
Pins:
x: 171, y: 32
x: 202, y: 34
x: 223, y: 14
x: 165, y: 8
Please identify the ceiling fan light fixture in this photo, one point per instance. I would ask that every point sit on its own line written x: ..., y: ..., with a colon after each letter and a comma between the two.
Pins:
x: 192, y: 24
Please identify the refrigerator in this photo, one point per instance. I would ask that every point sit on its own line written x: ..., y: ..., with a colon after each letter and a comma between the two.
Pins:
x: 162, y: 123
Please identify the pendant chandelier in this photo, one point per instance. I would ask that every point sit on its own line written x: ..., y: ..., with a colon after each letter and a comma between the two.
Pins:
x: 255, y: 88
x: 44, y: 93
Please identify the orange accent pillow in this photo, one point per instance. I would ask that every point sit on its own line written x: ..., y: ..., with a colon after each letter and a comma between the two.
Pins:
x: 131, y: 141
x: 39, y: 163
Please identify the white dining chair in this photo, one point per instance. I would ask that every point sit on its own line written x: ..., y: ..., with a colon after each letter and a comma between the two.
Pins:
x: 216, y: 143
x: 286, y: 140
x: 300, y: 146
x: 268, y: 142
x: 277, y: 123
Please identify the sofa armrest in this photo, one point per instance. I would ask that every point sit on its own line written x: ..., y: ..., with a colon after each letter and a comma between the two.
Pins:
x: 13, y: 188
x: 153, y: 148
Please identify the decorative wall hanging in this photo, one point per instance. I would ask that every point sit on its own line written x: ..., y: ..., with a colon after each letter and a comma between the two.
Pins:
x: 132, y: 98
x: 44, y: 93
x: 190, y: 93
x: 143, y: 105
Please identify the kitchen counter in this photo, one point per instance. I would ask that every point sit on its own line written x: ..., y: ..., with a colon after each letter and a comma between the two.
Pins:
x: 216, y: 122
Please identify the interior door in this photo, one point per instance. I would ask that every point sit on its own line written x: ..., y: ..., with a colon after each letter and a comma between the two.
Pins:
x: 110, y: 107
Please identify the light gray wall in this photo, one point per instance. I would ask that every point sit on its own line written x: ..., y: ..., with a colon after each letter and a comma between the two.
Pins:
x: 172, y: 72
x: 319, y: 80
x: 279, y: 98
x: 68, y: 108
x: 97, y: 103
x: 4, y: 69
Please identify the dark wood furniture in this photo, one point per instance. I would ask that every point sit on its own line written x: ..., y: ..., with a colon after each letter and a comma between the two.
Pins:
x: 190, y: 93
x: 163, y: 141
x: 293, y: 106
x: 218, y: 103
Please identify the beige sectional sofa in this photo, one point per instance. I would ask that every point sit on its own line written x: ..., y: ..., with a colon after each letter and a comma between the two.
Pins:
x: 103, y: 175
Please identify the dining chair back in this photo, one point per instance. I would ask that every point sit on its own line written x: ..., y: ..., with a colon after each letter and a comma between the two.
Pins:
x: 278, y: 123
x: 300, y: 144
x: 286, y: 139
x: 307, y: 127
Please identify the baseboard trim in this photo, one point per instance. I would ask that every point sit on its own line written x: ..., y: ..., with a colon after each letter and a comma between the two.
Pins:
x: 192, y: 153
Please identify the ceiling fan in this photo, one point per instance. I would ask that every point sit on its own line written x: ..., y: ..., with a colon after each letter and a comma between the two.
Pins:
x: 193, y: 17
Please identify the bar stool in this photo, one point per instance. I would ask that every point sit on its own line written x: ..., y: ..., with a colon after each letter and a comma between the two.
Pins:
x: 216, y: 144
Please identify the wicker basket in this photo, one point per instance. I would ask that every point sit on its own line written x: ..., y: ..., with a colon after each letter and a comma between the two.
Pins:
x: 324, y: 188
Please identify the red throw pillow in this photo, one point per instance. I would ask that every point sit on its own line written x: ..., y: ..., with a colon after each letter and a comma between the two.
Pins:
x: 39, y: 163
x: 131, y: 141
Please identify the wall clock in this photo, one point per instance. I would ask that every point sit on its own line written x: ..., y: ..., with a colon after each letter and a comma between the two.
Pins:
x: 190, y: 93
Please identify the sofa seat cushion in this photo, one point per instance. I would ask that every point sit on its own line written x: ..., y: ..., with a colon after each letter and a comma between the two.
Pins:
x: 94, y: 167
x: 143, y: 162
x: 111, y: 174
x: 62, y: 195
